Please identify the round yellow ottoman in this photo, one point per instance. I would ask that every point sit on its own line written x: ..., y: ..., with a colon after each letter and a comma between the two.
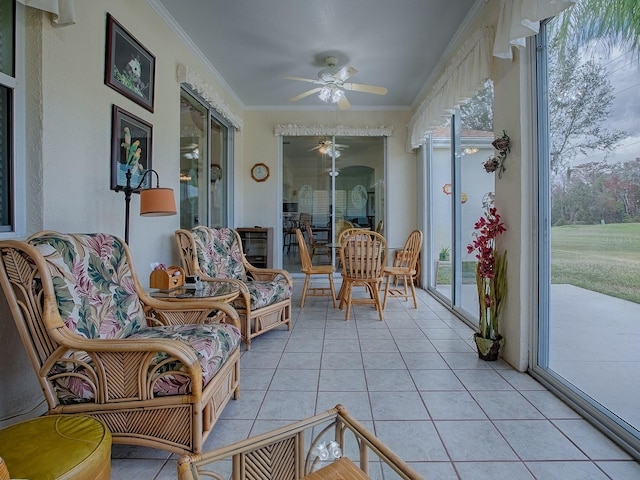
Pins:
x: 57, y: 447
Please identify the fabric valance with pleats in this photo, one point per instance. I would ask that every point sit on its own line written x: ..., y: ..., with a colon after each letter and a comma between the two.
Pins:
x: 465, y: 75
x: 520, y: 19
x: 471, y: 66
x: 63, y: 11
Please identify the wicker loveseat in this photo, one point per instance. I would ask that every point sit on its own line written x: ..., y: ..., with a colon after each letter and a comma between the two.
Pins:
x: 157, y: 373
x: 216, y: 254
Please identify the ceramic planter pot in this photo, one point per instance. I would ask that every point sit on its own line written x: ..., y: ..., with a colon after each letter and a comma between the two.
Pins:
x: 488, y: 349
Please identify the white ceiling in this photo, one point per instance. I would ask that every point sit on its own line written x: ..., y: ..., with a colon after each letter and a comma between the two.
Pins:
x: 253, y: 44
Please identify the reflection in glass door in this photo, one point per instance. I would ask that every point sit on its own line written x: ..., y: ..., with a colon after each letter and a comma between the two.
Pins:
x: 204, y: 159
x: 590, y: 225
x: 329, y: 184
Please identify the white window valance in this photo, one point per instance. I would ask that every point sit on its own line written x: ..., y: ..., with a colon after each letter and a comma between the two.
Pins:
x: 520, y: 19
x: 292, y: 130
x: 62, y: 11
x: 463, y: 77
x: 212, y: 97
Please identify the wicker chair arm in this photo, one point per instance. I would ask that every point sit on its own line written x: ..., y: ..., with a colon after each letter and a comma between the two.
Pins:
x: 134, y: 353
x: 267, y: 274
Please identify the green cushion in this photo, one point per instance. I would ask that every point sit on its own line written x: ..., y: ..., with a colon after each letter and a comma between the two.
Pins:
x: 57, y: 447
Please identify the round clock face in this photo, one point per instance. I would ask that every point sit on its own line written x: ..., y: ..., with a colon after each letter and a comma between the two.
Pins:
x: 260, y: 172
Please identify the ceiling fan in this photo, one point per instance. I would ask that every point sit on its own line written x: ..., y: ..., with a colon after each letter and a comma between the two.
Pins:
x: 332, y: 81
x: 327, y: 147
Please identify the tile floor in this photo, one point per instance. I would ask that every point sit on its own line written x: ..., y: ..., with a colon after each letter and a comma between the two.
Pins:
x: 415, y: 380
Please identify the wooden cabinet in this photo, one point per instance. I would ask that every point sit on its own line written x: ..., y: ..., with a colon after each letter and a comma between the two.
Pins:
x: 257, y: 246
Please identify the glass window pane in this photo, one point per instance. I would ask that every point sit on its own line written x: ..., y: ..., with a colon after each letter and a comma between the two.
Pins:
x: 591, y: 259
x: 477, y: 186
x: 193, y: 155
x: 330, y: 188
x: 441, y: 186
x: 7, y: 37
x: 218, y: 172
x: 5, y: 159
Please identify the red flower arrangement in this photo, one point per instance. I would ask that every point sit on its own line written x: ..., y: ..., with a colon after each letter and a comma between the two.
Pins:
x: 491, y: 271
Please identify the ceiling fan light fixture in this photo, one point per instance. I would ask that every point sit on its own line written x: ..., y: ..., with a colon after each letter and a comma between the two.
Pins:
x: 325, y: 94
x: 329, y: 150
x: 337, y: 95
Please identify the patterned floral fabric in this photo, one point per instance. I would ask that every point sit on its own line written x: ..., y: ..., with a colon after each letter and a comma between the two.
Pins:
x: 97, y: 298
x: 213, y: 343
x: 263, y: 293
x: 94, y: 287
x: 220, y: 256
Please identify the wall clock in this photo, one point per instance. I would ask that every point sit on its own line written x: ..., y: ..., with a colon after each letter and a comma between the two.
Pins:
x: 260, y: 172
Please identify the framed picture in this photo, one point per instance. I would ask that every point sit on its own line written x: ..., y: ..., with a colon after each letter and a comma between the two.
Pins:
x: 131, y: 140
x: 130, y: 68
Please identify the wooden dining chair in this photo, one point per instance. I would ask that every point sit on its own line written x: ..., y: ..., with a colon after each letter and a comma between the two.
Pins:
x: 363, y: 254
x: 316, y: 246
x: 403, y: 270
x: 309, y: 270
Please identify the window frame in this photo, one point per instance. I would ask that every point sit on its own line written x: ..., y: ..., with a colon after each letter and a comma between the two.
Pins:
x: 16, y: 161
x: 227, y: 170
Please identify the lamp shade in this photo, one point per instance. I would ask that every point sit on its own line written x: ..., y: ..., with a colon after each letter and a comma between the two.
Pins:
x: 157, y: 202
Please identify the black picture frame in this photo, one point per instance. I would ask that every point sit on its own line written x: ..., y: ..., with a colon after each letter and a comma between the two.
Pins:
x: 126, y: 130
x: 129, y: 67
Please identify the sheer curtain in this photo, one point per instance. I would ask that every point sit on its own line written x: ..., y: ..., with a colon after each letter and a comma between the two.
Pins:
x: 63, y: 11
x: 520, y: 19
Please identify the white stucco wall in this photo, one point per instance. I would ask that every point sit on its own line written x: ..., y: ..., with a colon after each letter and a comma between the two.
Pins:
x: 76, y: 106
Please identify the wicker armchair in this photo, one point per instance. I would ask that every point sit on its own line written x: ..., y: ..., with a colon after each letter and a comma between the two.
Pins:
x: 295, y: 452
x: 216, y: 254
x: 157, y: 373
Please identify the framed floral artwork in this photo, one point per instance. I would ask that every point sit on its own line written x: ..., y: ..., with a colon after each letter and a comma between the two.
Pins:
x: 129, y: 68
x: 131, y: 141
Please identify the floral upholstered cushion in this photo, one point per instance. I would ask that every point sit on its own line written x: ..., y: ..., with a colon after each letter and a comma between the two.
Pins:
x: 220, y: 256
x: 93, y: 284
x: 264, y: 293
x: 219, y: 253
x: 213, y: 343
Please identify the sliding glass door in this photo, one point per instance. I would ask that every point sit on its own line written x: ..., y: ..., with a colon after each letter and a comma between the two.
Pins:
x: 205, y: 152
x: 329, y: 184
x: 589, y: 193
x: 459, y: 192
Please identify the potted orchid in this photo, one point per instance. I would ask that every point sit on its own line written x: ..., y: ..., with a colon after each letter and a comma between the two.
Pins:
x: 491, y: 282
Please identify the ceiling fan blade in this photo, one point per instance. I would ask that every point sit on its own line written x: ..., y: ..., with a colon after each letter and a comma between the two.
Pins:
x: 305, y: 94
x: 343, y: 104
x: 358, y: 87
x: 345, y: 72
x: 302, y: 79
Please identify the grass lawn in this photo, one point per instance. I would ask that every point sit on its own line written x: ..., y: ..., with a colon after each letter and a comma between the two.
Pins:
x: 602, y: 258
